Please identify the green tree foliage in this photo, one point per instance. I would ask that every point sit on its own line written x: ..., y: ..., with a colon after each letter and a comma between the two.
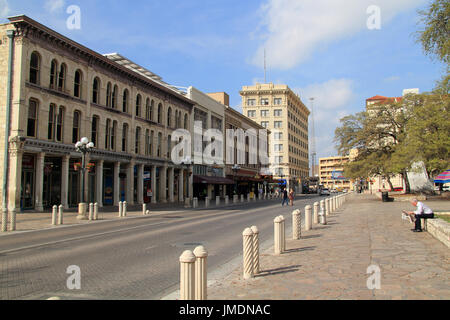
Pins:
x: 435, y: 37
x: 391, y: 137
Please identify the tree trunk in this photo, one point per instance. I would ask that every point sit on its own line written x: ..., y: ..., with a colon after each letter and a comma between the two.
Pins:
x: 388, y: 178
x: 407, y: 184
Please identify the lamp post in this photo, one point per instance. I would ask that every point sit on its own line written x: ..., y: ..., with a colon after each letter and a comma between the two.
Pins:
x: 83, y: 146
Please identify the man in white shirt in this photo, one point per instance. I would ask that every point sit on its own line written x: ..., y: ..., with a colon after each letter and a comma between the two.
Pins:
x: 422, y: 212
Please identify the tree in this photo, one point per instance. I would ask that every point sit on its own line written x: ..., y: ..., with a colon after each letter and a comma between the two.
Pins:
x: 427, y: 135
x: 435, y: 37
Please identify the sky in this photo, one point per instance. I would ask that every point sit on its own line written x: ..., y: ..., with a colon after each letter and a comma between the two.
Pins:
x: 339, y: 52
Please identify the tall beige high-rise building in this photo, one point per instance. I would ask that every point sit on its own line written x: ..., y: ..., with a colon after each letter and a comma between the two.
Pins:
x: 277, y: 108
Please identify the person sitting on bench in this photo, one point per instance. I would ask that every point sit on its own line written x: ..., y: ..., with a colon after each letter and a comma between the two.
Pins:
x: 422, y: 212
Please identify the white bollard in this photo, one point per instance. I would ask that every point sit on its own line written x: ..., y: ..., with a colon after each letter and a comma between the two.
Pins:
x: 124, y: 212
x: 283, y: 234
x: 296, y: 225
x: 249, y: 199
x: 255, y: 250
x: 91, y: 212
x: 54, y: 215
x: 242, y: 198
x: 206, y: 202
x: 316, y: 213
x: 95, y: 211
x: 147, y: 213
x: 235, y: 198
x: 308, y: 218
x: 144, y: 209
x: 195, y: 203
x: 12, y: 222
x: 247, y: 240
x: 61, y: 215
x: 120, y: 209
x: 217, y: 201
x: 227, y: 200
x: 187, y: 276
x: 278, y: 237
x: 327, y: 207
x: 201, y: 275
x: 322, y: 213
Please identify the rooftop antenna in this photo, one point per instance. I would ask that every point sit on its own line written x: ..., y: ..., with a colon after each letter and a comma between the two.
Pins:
x: 313, y: 141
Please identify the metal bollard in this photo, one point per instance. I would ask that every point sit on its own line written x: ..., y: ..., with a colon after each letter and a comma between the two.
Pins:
x: 144, y: 209
x: 95, y: 211
x: 278, y: 237
x: 201, y: 275
x: 124, y: 212
x: 316, y: 213
x: 91, y: 212
x: 54, y: 215
x: 255, y: 250
x: 308, y: 218
x: 296, y: 225
x: 248, y: 253
x: 61, y: 215
x: 120, y: 209
x: 206, y: 202
x: 217, y: 201
x: 187, y: 276
x: 327, y: 207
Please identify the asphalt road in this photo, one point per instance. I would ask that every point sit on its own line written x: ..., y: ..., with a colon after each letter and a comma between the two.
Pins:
x: 135, y: 258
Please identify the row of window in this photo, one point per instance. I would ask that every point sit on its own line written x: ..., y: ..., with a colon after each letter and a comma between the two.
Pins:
x: 298, y: 141
x: 276, y: 124
x: 264, y: 101
x: 56, y: 123
x: 58, y: 75
x: 265, y: 113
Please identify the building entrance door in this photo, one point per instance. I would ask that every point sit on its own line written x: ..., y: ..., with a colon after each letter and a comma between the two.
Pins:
x: 51, y: 195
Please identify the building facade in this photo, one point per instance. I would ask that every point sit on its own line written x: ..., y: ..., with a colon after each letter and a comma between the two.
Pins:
x: 279, y: 109
x: 63, y: 91
x: 331, y: 171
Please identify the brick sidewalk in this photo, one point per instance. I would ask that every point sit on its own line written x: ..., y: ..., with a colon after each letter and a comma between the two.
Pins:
x: 330, y: 262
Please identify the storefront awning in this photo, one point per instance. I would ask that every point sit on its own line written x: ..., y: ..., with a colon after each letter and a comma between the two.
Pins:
x: 212, y: 180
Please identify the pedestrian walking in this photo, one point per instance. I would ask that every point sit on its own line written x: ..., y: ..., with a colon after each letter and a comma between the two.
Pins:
x: 285, y: 196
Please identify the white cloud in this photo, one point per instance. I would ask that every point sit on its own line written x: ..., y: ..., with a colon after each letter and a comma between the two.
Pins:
x: 331, y: 103
x: 54, y: 5
x: 293, y: 30
x: 4, y: 9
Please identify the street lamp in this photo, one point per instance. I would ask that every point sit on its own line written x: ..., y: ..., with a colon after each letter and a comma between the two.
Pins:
x: 83, y: 146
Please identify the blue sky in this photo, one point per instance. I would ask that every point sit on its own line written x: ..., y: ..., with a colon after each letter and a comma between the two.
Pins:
x: 320, y: 48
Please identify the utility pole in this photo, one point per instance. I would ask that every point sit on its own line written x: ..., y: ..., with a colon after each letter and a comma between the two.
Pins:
x: 313, y: 140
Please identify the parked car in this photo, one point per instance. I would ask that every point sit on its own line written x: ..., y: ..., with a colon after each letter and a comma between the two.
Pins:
x: 325, y: 192
x: 334, y: 191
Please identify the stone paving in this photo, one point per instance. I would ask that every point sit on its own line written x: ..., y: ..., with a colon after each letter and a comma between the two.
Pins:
x: 331, y: 262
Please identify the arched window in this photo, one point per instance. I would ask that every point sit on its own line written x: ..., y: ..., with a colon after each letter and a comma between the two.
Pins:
x: 76, y: 126
x: 147, y: 142
x: 108, y: 94
x: 53, y: 74
x: 51, y: 121
x: 62, y: 77
x: 107, y: 134
x: 94, y: 129
x: 169, y: 146
x: 32, y: 118
x: 77, y: 84
x: 176, y: 118
x: 125, y: 101
x: 114, y: 97
x: 159, y: 146
x: 138, y: 105
x: 59, y: 124
x: 152, y: 107
x: 35, y: 64
x: 147, y: 109
x: 160, y: 113
x: 186, y: 119
x: 113, y: 135
x: 169, y: 116
x: 96, y: 90
x: 137, y: 145
x: 124, y: 137
x: 152, y: 137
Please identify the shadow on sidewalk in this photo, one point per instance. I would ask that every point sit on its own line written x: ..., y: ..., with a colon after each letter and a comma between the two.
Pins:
x: 300, y: 249
x: 265, y: 273
x: 311, y: 236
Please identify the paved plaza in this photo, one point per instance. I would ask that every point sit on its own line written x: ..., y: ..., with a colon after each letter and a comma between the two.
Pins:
x: 330, y: 262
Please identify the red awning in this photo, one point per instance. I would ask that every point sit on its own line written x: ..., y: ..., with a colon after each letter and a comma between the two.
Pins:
x: 212, y: 180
